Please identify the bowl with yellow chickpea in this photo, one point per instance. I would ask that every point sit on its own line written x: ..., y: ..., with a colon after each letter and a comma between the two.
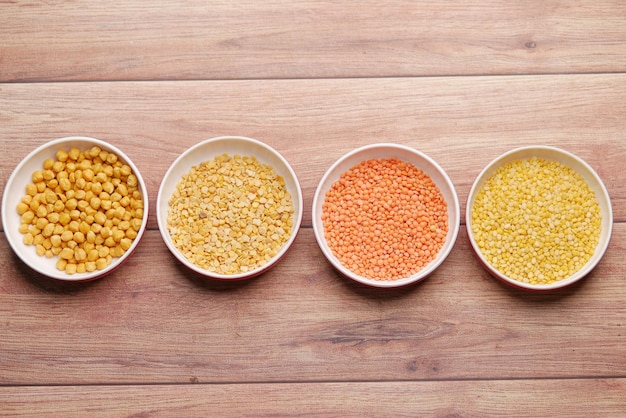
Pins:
x: 539, y: 218
x: 385, y: 215
x: 229, y: 208
x: 75, y: 208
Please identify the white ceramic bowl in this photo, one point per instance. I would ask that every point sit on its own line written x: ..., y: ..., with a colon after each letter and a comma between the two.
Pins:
x: 208, y: 150
x: 570, y: 160
x: 404, y: 153
x: 15, y: 189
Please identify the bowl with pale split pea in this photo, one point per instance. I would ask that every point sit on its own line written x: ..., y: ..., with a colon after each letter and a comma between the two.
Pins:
x: 539, y: 218
x: 229, y: 208
x: 75, y: 208
x: 385, y: 215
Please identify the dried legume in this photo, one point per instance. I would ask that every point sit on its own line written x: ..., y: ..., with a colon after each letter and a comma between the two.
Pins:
x: 66, y: 212
x: 231, y: 214
x: 385, y: 219
x: 536, y: 221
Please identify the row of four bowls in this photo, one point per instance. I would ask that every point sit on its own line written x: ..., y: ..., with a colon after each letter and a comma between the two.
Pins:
x: 235, y: 145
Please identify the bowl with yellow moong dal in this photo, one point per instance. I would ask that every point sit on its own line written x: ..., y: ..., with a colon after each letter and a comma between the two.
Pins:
x: 229, y: 208
x: 539, y: 218
x: 75, y: 208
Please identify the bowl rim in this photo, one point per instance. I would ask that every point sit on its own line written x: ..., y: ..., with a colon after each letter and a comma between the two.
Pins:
x: 18, y: 247
x: 162, y: 205
x: 598, y: 187
x: 433, y: 166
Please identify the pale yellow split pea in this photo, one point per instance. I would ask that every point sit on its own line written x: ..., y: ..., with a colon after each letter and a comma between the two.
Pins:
x: 230, y: 215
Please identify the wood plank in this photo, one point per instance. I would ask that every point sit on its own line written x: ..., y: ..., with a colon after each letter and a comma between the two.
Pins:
x: 536, y: 398
x: 461, y: 122
x: 154, y: 322
x: 144, y: 40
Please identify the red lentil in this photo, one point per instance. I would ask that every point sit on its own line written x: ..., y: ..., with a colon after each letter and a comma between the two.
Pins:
x: 385, y: 219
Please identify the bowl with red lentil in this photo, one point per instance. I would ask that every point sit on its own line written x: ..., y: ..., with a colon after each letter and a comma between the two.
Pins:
x: 75, y: 208
x: 385, y: 215
x: 539, y: 218
x: 229, y: 208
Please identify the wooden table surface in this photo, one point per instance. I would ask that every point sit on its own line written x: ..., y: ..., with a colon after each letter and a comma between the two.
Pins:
x: 460, y: 81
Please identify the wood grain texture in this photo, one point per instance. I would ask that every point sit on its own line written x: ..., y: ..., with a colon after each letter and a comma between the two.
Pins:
x: 548, y: 398
x: 147, y: 40
x: 461, y: 122
x: 463, y: 82
x: 152, y: 321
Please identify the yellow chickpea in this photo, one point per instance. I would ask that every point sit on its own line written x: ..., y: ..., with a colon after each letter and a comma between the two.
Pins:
x: 68, y: 208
